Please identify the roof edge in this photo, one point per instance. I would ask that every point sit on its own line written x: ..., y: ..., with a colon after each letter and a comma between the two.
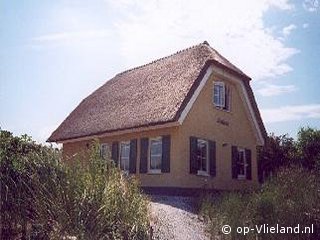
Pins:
x: 120, y: 131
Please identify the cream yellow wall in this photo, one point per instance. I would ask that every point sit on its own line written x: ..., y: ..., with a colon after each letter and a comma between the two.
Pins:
x: 165, y: 179
x: 200, y: 122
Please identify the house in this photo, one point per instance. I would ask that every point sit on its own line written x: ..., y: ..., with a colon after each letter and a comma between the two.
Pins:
x: 185, y: 121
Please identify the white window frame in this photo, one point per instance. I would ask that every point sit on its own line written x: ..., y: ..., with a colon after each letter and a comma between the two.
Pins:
x: 107, y: 153
x: 221, y: 95
x: 245, y: 164
x: 202, y: 172
x: 124, y: 143
x: 154, y: 171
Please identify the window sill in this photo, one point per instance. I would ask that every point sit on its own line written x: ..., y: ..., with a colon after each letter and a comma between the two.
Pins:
x: 126, y: 173
x: 155, y: 171
x: 203, y: 173
x: 241, y: 177
x: 222, y: 109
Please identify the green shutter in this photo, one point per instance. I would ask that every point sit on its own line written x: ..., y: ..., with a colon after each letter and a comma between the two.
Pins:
x: 212, y: 158
x: 234, y: 156
x: 249, y: 165
x: 115, y: 152
x: 133, y: 156
x: 193, y: 155
x: 144, y: 142
x: 165, y: 165
x: 227, y: 98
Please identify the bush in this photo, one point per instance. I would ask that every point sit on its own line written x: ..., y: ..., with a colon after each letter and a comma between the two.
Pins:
x: 308, y: 145
x: 41, y: 198
x: 291, y: 198
x: 283, y: 151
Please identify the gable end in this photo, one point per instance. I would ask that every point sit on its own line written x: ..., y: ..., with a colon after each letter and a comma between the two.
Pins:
x: 245, y: 87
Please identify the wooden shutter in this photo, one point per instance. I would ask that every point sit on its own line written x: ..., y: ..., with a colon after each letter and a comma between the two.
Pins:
x: 212, y: 158
x: 133, y: 156
x: 227, y: 105
x: 223, y: 95
x: 234, y: 156
x: 144, y: 144
x: 165, y: 165
x: 249, y: 165
x: 193, y: 155
x: 115, y: 152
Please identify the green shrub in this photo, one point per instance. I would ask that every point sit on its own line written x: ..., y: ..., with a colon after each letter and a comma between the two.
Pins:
x: 291, y: 198
x: 283, y: 151
x: 41, y: 198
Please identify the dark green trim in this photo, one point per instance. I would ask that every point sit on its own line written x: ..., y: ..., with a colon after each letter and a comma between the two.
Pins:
x: 144, y: 144
x: 166, y: 145
x: 249, y: 165
x: 212, y: 158
x: 115, y: 152
x: 193, y: 155
x: 234, y: 162
x: 133, y: 156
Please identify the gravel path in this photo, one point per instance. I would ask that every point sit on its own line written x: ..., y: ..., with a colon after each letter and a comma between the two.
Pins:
x: 173, y: 218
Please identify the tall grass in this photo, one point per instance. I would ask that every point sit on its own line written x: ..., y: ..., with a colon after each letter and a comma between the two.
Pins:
x: 291, y: 198
x: 41, y: 198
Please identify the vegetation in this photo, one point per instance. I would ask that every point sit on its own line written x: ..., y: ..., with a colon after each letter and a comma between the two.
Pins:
x: 41, y: 198
x: 289, y: 198
x: 283, y: 151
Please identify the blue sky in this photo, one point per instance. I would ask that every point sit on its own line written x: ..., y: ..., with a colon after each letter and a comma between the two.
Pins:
x: 55, y: 53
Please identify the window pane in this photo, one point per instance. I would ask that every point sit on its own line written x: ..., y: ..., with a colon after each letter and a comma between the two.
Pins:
x: 126, y: 164
x: 156, y: 147
x: 241, y: 163
x: 155, y: 154
x: 124, y: 156
x: 202, y: 154
x: 203, y: 164
x: 219, y: 94
x: 125, y: 150
x: 155, y: 162
x: 216, y: 94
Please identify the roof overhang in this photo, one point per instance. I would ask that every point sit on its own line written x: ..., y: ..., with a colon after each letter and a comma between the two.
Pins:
x: 121, y: 132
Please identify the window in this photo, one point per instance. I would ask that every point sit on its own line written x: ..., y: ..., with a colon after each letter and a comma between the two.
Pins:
x: 155, y: 155
x: 242, y: 163
x: 202, y: 156
x: 104, y: 151
x: 221, y: 95
x: 124, y: 156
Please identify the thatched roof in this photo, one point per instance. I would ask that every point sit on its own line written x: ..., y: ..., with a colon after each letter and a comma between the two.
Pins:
x: 151, y: 94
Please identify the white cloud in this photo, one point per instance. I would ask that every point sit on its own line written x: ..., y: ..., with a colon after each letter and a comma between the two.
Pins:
x: 286, y: 31
x: 311, y: 5
x: 305, y: 25
x: 275, y: 90
x: 291, y: 113
x: 72, y: 36
x: 149, y: 29
x: 281, y: 4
